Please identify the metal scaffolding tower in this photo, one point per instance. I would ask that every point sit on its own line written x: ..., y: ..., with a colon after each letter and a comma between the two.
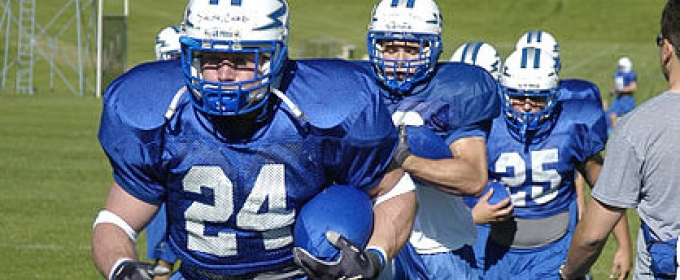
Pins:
x: 25, y: 46
x: 48, y: 45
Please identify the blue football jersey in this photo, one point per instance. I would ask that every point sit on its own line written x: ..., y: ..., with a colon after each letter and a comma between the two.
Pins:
x: 232, y: 201
x: 540, y: 174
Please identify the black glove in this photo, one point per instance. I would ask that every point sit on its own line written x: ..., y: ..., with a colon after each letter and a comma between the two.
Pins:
x: 130, y: 270
x: 353, y: 263
x: 403, y: 151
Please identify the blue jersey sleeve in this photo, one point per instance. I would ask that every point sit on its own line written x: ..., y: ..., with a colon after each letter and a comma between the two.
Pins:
x: 131, y: 126
x: 579, y: 89
x: 356, y: 127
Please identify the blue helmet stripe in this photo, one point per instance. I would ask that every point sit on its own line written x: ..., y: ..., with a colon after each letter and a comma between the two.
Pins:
x: 236, y: 2
x: 464, y: 55
x: 475, y: 52
x: 525, y: 56
x: 214, y: 2
x: 537, y: 58
x: 409, y: 3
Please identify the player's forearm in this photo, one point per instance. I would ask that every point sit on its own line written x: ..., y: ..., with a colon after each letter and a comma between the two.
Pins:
x: 455, y: 175
x: 110, y: 244
x: 393, y: 221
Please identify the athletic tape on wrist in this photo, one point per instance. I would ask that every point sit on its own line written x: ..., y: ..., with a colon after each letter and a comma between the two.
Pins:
x: 115, y: 267
x: 108, y: 217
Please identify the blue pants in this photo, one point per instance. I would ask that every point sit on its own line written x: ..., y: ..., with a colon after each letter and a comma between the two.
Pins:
x: 504, y: 262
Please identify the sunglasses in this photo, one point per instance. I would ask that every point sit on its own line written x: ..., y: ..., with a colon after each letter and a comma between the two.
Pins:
x: 659, y: 40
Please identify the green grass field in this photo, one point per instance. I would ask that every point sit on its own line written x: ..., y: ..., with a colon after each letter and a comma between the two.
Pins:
x: 55, y: 177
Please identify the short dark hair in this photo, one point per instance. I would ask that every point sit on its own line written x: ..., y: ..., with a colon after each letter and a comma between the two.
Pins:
x: 670, y: 22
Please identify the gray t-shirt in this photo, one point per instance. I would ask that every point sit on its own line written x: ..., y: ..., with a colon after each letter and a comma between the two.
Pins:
x: 642, y: 165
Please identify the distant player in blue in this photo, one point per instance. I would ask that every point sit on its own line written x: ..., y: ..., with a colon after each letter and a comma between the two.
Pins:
x: 454, y: 101
x: 625, y: 85
x: 535, y: 149
x: 167, y: 47
x: 235, y: 138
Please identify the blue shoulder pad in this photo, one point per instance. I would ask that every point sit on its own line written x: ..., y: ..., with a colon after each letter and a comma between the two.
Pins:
x: 473, y: 95
x: 132, y: 123
x: 579, y: 89
x: 141, y: 96
x: 341, y: 208
x: 589, y: 119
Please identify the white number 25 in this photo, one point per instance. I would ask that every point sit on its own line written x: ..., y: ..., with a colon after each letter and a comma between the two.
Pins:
x: 538, y: 193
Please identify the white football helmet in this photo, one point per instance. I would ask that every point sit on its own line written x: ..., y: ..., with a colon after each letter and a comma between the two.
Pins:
x: 258, y: 27
x: 542, y: 40
x: 405, y: 20
x: 625, y: 64
x: 529, y: 72
x: 167, y: 43
x: 480, y: 54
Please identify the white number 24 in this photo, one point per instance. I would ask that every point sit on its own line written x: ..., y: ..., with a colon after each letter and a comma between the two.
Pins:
x: 269, y: 188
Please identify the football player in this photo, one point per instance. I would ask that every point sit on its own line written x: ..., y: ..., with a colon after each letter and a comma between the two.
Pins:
x: 534, y: 149
x: 573, y: 88
x: 235, y: 139
x: 456, y: 102
x: 625, y: 85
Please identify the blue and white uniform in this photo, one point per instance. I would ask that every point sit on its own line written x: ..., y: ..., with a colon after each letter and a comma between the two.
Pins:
x: 539, y: 174
x: 232, y: 200
x: 458, y: 101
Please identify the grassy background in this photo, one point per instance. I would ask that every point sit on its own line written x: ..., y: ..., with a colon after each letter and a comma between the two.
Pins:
x: 54, y: 176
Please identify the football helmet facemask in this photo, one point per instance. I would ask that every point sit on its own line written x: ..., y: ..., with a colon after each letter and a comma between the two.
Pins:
x: 529, y: 73
x: 258, y: 28
x: 412, y: 21
x: 480, y: 54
